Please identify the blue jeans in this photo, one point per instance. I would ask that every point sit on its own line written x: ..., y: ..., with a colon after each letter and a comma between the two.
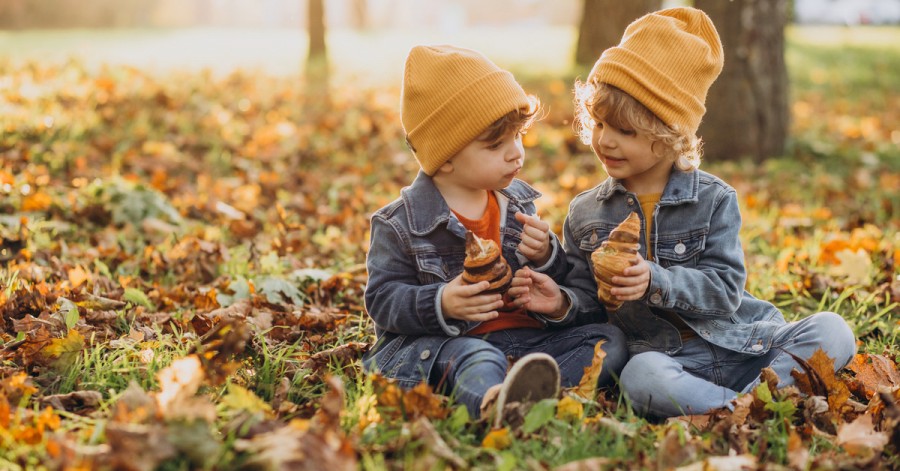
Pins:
x: 702, y: 377
x: 466, y: 367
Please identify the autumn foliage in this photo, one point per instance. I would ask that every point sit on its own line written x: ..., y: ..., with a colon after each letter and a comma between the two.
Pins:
x: 182, y: 279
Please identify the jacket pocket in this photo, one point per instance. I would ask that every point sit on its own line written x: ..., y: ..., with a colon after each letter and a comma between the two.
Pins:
x: 681, y: 249
x: 438, y: 268
x: 592, y: 235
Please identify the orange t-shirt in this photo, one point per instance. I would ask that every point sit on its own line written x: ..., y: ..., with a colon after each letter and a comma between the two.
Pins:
x: 488, y: 227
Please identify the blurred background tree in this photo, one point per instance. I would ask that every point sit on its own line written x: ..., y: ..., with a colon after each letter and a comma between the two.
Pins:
x: 602, y: 23
x: 747, y: 107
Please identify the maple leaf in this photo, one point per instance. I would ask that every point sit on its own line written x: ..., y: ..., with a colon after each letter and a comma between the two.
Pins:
x: 64, y: 351
x: 587, y: 387
x: 859, y: 437
x: 818, y: 379
x: 854, y: 266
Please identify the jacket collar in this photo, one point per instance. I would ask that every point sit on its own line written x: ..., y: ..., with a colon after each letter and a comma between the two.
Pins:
x: 683, y: 187
x: 426, y: 208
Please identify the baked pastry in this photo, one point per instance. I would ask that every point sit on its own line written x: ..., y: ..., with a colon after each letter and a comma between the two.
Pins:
x: 485, y: 262
x: 615, y: 255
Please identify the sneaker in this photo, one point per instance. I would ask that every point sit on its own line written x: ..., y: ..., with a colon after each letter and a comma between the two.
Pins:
x: 533, y: 378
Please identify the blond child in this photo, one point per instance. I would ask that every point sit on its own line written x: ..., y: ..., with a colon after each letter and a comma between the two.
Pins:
x: 696, y: 337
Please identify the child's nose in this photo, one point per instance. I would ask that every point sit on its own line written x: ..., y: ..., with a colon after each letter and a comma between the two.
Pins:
x: 606, y: 140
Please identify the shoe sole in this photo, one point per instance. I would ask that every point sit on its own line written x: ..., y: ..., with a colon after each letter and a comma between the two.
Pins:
x: 527, y: 369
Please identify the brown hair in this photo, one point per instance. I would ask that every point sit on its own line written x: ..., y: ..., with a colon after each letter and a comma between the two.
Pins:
x: 603, y: 102
x: 519, y: 120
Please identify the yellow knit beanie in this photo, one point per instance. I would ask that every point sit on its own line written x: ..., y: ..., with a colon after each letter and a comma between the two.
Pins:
x: 450, y: 96
x: 667, y: 60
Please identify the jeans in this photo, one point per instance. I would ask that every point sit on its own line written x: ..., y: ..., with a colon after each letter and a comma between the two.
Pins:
x: 703, y: 377
x: 466, y: 367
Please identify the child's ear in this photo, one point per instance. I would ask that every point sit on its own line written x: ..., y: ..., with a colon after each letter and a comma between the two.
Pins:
x: 658, y: 149
x: 446, y: 167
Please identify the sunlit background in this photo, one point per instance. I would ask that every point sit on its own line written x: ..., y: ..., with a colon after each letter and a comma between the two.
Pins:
x: 367, y: 39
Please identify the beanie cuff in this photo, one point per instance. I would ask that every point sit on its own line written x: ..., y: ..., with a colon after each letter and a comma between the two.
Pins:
x: 651, y: 87
x: 463, y: 117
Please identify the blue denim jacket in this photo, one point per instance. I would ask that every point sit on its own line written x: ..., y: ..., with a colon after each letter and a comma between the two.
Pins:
x: 417, y: 246
x: 698, y: 271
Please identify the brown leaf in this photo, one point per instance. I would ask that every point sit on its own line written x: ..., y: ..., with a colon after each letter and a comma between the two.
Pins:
x: 873, y: 372
x: 138, y: 447
x: 82, y: 402
x: 859, y: 437
x: 340, y: 355
x: 818, y: 379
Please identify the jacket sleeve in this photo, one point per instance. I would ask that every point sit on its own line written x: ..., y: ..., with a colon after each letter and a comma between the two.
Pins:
x: 714, y: 287
x: 394, y: 297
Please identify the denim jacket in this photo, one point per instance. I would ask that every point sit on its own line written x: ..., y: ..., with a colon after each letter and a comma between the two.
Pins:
x: 698, y: 271
x: 417, y: 246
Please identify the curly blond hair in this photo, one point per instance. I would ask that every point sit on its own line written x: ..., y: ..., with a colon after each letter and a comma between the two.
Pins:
x: 597, y: 101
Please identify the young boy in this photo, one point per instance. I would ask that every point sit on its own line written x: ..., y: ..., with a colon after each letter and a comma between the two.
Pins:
x: 464, y: 117
x: 696, y: 337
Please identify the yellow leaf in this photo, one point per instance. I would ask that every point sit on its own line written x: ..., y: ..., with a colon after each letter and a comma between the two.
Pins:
x: 854, y: 266
x: 497, y: 439
x: 587, y: 387
x: 65, y: 350
x: 242, y: 399
x: 569, y: 409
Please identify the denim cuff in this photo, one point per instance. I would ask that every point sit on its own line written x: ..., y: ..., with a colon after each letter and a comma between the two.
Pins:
x: 554, y: 250
x: 564, y: 319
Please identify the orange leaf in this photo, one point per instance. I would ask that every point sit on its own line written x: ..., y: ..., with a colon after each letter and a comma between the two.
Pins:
x: 77, y: 276
x: 587, y: 387
x: 36, y: 202
x: 874, y: 372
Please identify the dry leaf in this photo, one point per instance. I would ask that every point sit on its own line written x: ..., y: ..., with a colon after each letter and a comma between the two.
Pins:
x: 859, y: 437
x: 874, y: 372
x: 587, y: 387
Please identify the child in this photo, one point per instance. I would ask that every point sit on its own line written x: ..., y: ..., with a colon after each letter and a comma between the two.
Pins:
x: 696, y: 337
x: 464, y: 117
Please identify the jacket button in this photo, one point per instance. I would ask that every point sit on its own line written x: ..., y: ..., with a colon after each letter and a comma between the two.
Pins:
x: 756, y: 347
x: 655, y: 298
x: 630, y: 201
x: 425, y: 354
x: 680, y: 248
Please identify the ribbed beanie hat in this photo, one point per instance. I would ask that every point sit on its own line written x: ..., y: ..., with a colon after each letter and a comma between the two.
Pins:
x: 667, y: 60
x: 450, y: 96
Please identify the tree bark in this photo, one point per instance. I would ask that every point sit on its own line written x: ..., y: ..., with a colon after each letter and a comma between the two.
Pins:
x: 602, y: 25
x: 747, y: 107
x: 317, y: 57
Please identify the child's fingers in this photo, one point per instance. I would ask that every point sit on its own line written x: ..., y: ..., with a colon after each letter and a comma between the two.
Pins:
x: 532, y: 221
x: 483, y: 317
x: 472, y: 290
x: 628, y: 293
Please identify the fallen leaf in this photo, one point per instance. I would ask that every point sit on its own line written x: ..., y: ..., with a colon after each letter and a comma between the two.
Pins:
x: 497, y: 439
x: 587, y: 387
x: 859, y: 437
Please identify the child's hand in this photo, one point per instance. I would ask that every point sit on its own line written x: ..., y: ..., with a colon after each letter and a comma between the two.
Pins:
x: 634, y: 283
x: 466, y: 303
x: 535, y: 238
x: 538, y: 292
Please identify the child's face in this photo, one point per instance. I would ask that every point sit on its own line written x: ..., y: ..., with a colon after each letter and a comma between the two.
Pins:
x: 628, y: 155
x: 487, y: 165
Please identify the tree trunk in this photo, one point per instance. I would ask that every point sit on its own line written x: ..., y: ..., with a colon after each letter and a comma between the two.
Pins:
x: 317, y: 58
x: 747, y: 107
x: 602, y: 25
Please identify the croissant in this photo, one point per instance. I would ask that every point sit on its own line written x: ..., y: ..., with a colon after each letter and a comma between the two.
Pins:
x: 614, y: 256
x: 485, y: 262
